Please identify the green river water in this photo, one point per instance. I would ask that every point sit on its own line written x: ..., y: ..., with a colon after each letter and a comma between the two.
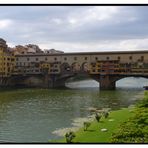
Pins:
x: 31, y: 115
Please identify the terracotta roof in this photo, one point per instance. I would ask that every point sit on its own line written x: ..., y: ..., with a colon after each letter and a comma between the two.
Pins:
x: 86, y: 53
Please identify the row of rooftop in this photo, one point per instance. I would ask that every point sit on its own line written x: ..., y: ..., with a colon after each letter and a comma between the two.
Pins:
x: 27, y: 49
x: 32, y: 49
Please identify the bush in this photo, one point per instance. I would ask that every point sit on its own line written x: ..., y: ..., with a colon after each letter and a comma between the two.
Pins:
x: 105, y: 114
x: 98, y: 117
x: 69, y: 136
x: 86, y: 125
x: 135, y: 130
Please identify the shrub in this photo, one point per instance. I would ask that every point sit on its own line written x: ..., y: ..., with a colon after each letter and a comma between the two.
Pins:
x: 86, y: 125
x: 135, y: 130
x: 69, y: 136
x: 105, y: 114
x: 98, y: 117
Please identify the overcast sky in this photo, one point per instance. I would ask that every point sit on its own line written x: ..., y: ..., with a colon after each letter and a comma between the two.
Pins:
x: 76, y: 28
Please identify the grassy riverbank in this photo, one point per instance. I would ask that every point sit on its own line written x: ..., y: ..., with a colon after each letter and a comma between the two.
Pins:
x: 135, y: 129
x: 128, y: 125
x: 94, y: 133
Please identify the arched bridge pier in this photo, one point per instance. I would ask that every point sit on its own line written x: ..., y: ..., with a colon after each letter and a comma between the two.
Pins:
x: 107, y: 82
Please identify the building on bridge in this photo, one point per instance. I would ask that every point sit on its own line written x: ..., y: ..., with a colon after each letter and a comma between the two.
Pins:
x: 54, y: 68
x: 90, y: 62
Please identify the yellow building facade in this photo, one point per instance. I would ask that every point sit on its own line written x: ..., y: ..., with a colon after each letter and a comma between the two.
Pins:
x: 7, y: 60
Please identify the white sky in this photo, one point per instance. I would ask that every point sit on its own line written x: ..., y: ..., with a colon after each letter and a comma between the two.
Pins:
x: 76, y: 28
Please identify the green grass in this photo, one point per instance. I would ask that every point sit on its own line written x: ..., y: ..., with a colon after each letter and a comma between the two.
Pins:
x: 94, y: 133
x: 135, y: 129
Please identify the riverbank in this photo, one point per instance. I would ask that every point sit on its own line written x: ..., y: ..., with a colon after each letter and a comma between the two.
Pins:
x: 94, y: 133
x: 116, y: 125
x: 135, y: 129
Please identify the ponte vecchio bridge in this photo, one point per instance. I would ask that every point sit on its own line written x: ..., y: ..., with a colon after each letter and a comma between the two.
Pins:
x: 52, y: 70
x: 40, y: 69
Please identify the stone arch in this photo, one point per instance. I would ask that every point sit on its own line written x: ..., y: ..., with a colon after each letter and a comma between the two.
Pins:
x: 85, y: 67
x: 65, y: 68
x: 75, y: 67
x: 132, y: 83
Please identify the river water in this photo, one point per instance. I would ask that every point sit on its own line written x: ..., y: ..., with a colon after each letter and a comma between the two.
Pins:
x: 32, y: 115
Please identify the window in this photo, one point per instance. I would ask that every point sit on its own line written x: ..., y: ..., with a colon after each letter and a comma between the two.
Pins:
x: 140, y: 66
x: 55, y: 59
x: 142, y: 58
x: 85, y: 58
x: 28, y: 59
x: 75, y: 58
x: 130, y: 57
x: 65, y: 58
x: 96, y: 58
x: 119, y: 58
x: 37, y: 59
x: 46, y: 59
x: 107, y: 58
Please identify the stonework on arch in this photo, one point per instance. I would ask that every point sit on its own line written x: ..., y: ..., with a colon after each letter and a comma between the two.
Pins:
x: 65, y: 68
x: 75, y: 67
x: 85, y: 67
